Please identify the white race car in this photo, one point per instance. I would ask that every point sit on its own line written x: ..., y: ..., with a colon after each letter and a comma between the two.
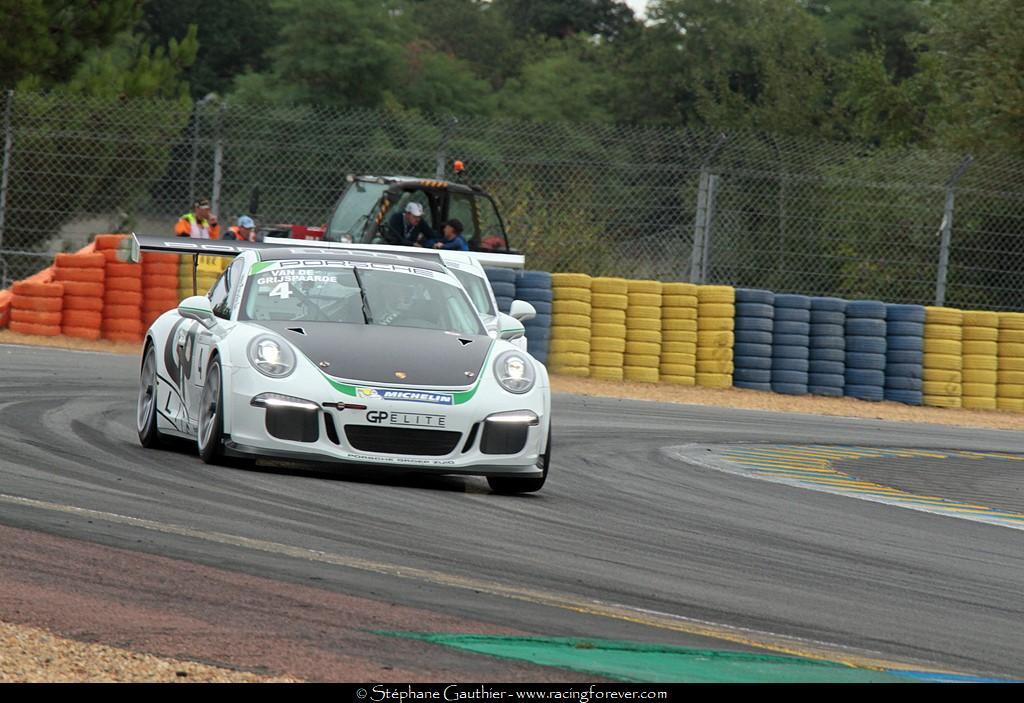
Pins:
x: 363, y: 358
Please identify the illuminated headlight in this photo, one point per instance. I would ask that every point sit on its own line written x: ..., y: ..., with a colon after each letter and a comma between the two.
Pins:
x: 271, y: 356
x: 514, y: 372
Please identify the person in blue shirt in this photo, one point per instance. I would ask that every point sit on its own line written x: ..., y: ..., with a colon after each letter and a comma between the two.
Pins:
x: 451, y: 233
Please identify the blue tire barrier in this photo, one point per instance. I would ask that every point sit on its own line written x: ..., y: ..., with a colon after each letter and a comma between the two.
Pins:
x: 792, y: 327
x: 753, y: 363
x: 796, y: 302
x: 791, y: 351
x: 829, y: 305
x: 828, y: 342
x: 534, y: 294
x: 541, y: 307
x: 752, y: 337
x: 790, y: 340
x: 792, y: 315
x: 903, y: 383
x: 899, y: 328
x: 504, y: 302
x: 904, y: 371
x: 830, y: 380
x: 504, y: 290
x: 905, y: 313
x: 860, y: 360
x: 831, y: 368
x: 755, y: 295
x: 832, y: 391
x: 756, y: 310
x: 823, y: 329
x: 751, y: 386
x: 836, y: 355
x: 908, y: 397
x: 865, y: 377
x: 869, y: 309
x: 534, y: 279
x: 874, y: 393
x: 790, y: 388
x: 904, y: 357
x: 790, y: 364
x: 865, y: 328
x: 751, y: 376
x: 904, y: 343
x: 746, y: 349
x: 753, y: 324
x: 867, y: 345
x: 501, y: 275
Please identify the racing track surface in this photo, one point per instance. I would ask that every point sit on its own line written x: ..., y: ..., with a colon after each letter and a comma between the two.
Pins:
x: 641, y: 537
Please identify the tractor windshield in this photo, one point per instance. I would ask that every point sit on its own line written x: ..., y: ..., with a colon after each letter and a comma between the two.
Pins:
x: 353, y: 211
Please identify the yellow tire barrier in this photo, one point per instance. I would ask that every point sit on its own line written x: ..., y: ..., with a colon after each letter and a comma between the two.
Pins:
x: 980, y: 348
x: 716, y: 310
x: 602, y: 358
x: 942, y: 376
x: 650, y: 287
x: 943, y: 401
x: 951, y: 362
x: 643, y: 336
x: 980, y: 390
x: 1007, y: 335
x: 981, y: 362
x: 607, y: 344
x: 609, y: 285
x: 607, y: 329
x: 641, y: 323
x: 644, y: 360
x: 1009, y: 377
x: 981, y: 334
x: 675, y: 342
x: 678, y: 314
x: 678, y: 301
x: 562, y: 332
x: 690, y: 380
x: 643, y: 348
x: 640, y: 373
x: 712, y: 354
x: 570, y: 307
x: 644, y: 312
x: 569, y: 359
x: 980, y: 318
x: 979, y: 403
x: 571, y: 293
x: 942, y: 316
x: 943, y: 346
x: 981, y: 376
x: 724, y: 324
x: 651, y: 300
x: 687, y: 289
x: 615, y: 317
x: 606, y: 373
x: 943, y: 332
x: 610, y: 301
x: 1010, y: 363
x: 716, y: 339
x: 936, y: 388
x: 570, y: 280
x: 715, y: 380
x: 687, y: 359
x: 678, y: 370
x: 1011, y: 349
x: 716, y: 294
x: 579, y: 371
x: 689, y: 326
x: 1011, y: 321
x: 558, y: 346
x: 1015, y: 405
x: 581, y: 321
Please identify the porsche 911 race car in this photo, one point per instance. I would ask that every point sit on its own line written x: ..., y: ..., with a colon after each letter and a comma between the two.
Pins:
x: 360, y: 358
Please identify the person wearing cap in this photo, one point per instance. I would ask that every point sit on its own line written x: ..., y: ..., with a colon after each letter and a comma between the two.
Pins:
x: 200, y: 223
x: 244, y: 231
x: 409, y: 227
x: 451, y: 237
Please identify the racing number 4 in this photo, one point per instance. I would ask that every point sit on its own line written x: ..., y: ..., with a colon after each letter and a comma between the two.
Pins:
x: 282, y: 290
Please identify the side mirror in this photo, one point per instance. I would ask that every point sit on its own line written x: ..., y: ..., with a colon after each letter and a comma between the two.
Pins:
x: 522, y: 310
x: 197, y: 307
x: 510, y: 328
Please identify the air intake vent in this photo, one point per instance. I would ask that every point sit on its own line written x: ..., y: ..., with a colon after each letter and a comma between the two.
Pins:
x: 394, y: 440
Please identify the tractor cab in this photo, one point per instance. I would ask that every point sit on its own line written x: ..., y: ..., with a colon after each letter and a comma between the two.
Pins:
x: 370, y: 210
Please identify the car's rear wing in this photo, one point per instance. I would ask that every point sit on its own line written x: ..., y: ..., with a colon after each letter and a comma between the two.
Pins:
x: 486, y: 258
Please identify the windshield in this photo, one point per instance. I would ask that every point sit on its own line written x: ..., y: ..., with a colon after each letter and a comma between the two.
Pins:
x: 354, y: 209
x: 358, y: 293
x: 477, y: 289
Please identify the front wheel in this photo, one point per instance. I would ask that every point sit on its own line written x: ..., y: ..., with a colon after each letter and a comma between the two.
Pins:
x: 145, y: 423
x: 507, y: 485
x: 211, y: 416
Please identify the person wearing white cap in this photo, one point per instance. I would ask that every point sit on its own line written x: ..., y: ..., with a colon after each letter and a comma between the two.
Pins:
x: 409, y: 227
x: 245, y: 230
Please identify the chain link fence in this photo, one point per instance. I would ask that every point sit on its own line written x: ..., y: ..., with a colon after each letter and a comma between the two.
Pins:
x: 743, y: 208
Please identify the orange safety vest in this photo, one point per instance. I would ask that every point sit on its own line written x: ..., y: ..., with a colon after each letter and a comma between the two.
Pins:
x: 188, y: 226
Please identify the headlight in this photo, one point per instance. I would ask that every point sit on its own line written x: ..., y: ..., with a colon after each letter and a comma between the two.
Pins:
x: 514, y: 372
x: 271, y: 356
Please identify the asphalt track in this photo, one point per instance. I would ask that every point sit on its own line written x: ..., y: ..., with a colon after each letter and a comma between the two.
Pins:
x: 626, y: 541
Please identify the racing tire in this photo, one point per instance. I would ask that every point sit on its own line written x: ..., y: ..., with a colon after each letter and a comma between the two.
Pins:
x: 146, y: 424
x: 210, y: 437
x: 511, y: 485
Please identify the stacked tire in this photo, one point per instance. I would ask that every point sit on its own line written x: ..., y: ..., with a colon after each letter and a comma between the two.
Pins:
x: 122, y: 293
x: 608, y: 303
x: 36, y: 308
x: 716, y: 320
x: 791, y: 339
x: 1010, y: 376
x: 904, y: 353
x: 943, y: 357
x: 503, y: 282
x: 755, y: 316
x: 159, y: 285
x: 534, y: 287
x: 643, y: 332
x: 980, y: 359
x: 678, y: 334
x: 866, y: 356
x: 83, y: 276
x: 826, y: 371
x: 569, y: 350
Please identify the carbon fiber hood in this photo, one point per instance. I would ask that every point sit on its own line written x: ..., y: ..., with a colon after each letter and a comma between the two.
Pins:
x: 383, y: 354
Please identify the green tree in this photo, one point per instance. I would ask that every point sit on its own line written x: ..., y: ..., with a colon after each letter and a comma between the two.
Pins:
x: 563, y: 18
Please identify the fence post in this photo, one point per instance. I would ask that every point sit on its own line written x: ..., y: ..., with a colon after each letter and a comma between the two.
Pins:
x: 4, y: 178
x: 699, y: 255
x: 709, y: 227
x: 442, y: 148
x: 947, y: 232
x: 218, y: 161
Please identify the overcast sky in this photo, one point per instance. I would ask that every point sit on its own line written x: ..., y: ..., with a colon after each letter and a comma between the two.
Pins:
x: 638, y: 6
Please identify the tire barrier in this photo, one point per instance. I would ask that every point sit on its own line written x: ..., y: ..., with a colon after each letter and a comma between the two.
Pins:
x: 980, y: 347
x: 534, y: 287
x: 904, y: 355
x: 678, y: 364
x: 943, y: 357
x: 122, y: 293
x: 826, y: 372
x: 36, y: 308
x: 716, y: 322
x: 569, y: 350
x: 1010, y: 373
x: 791, y: 329
x: 609, y: 304
x: 503, y: 282
x: 159, y: 286
x: 866, y: 348
x: 642, y: 361
x: 755, y: 316
x: 83, y: 314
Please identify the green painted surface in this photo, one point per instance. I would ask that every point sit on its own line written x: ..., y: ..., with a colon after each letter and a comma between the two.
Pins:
x: 629, y: 661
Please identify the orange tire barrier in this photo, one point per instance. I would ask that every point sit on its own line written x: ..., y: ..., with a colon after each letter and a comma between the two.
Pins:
x: 84, y: 290
x: 37, y: 330
x: 123, y: 297
x: 80, y: 261
x: 121, y: 312
x: 158, y: 282
x: 35, y: 308
x: 83, y: 318
x: 124, y: 283
x: 35, y: 304
x: 109, y: 241
x: 121, y: 325
x: 82, y: 275
x: 123, y: 336
x: 38, y: 290
x: 121, y: 270
x: 91, y: 333
x: 81, y: 302
x: 160, y: 268
x: 34, y: 317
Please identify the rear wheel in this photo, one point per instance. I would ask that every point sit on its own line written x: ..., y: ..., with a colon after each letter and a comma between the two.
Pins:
x: 145, y: 423
x: 211, y: 416
x: 507, y: 485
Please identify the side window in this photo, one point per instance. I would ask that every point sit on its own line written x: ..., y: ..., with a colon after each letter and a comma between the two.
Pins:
x: 219, y: 298
x: 492, y: 233
x: 460, y: 207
